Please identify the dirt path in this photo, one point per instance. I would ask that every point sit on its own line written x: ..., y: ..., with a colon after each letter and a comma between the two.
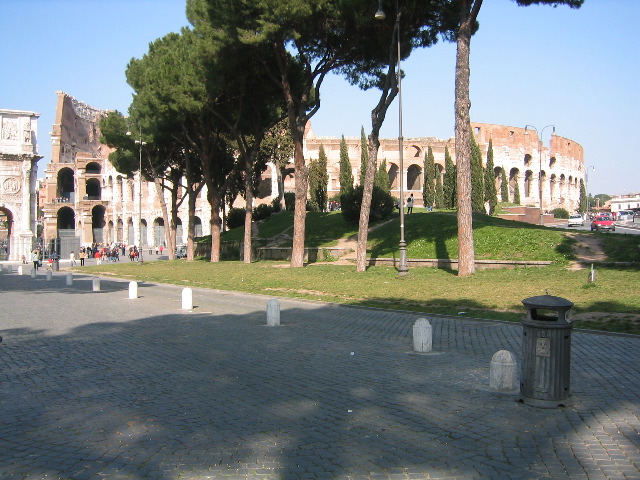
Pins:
x: 587, y: 249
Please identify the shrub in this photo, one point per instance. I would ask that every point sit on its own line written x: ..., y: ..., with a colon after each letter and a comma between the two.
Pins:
x: 560, y: 213
x: 275, y: 203
x: 381, y: 205
x: 290, y: 201
x: 235, y: 218
x: 262, y: 211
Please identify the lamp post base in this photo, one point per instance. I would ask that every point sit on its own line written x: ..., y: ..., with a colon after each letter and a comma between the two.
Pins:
x: 403, y: 269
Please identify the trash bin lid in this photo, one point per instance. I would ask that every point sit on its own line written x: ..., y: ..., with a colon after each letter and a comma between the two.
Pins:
x: 547, y: 301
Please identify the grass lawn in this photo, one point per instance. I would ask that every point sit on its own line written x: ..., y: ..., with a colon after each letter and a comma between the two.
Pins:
x: 611, y: 303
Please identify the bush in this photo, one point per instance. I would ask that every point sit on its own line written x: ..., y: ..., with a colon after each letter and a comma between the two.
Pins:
x: 235, y: 218
x: 275, y: 203
x: 560, y: 213
x: 381, y: 205
x: 290, y: 201
x: 262, y: 211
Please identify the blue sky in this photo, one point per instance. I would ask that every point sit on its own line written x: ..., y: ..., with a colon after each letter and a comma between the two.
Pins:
x: 575, y: 69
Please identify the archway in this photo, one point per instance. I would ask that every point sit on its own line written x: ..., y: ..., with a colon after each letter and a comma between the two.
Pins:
x: 120, y: 231
x: 98, y: 223
x: 6, y: 225
x: 65, y: 189
x: 93, y: 168
x: 179, y: 232
x: 414, y: 178
x: 393, y: 176
x: 197, y: 223
x: 131, y: 233
x: 514, y: 176
x: 93, y: 189
x: 158, y: 231
x: 528, y: 180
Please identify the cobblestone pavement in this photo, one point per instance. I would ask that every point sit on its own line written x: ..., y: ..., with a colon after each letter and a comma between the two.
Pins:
x: 96, y: 385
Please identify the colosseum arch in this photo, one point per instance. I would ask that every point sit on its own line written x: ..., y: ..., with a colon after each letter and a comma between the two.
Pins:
x: 65, y: 186
x: 393, y: 176
x: 131, y: 233
x: 6, y: 229
x: 93, y: 168
x: 528, y: 183
x: 417, y: 151
x: 514, y: 178
x: 120, y: 231
x: 414, y: 177
x: 93, y: 189
x: 552, y: 186
x: 98, y: 223
x: 158, y: 231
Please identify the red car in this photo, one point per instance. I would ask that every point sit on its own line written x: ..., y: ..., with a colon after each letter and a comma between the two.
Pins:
x: 603, y: 222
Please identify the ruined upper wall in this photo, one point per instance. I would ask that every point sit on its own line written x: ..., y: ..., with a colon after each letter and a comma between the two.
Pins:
x: 76, y: 130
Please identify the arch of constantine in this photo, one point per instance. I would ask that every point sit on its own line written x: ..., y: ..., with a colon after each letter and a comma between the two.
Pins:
x: 18, y: 177
x: 85, y: 200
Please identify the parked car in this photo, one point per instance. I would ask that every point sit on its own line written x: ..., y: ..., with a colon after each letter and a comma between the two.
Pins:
x: 603, y: 222
x: 575, y: 220
x: 181, y: 251
x: 624, y: 215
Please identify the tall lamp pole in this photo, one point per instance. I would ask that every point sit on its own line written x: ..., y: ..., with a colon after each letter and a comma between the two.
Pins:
x: 539, y: 133
x: 140, y: 143
x: 586, y: 185
x: 403, y: 269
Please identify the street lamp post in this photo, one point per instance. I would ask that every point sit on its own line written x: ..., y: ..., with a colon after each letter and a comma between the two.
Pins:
x: 539, y: 133
x: 403, y: 269
x: 586, y: 185
x: 140, y: 143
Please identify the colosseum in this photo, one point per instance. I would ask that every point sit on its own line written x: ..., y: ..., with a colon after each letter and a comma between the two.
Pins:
x: 518, y: 152
x: 85, y: 200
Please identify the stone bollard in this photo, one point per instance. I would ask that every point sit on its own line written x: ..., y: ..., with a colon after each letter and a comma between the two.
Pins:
x: 33, y: 273
x: 187, y: 299
x: 422, y: 336
x: 1, y: 268
x: 69, y: 279
x: 9, y: 269
x: 20, y: 272
x: 96, y: 284
x: 273, y: 313
x: 49, y: 275
x: 133, y: 290
x: 502, y: 372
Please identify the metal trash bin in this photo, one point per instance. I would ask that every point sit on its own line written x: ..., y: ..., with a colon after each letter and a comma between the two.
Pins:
x: 546, y: 352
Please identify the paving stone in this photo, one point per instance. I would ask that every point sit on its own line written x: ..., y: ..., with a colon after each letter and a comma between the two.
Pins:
x: 93, y: 385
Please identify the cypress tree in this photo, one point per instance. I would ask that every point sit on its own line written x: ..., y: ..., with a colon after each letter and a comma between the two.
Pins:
x: 364, y: 156
x: 346, y: 175
x: 428, y: 190
x: 490, y: 192
x: 439, y: 192
x: 318, y: 182
x: 516, y: 192
x: 449, y: 189
x: 477, y: 177
x: 583, y: 205
x: 504, y: 187
x: 382, y: 177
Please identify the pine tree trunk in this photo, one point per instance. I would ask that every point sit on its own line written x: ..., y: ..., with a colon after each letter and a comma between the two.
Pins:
x: 248, y: 216
x: 365, y: 208
x: 466, y: 254
x: 299, y: 216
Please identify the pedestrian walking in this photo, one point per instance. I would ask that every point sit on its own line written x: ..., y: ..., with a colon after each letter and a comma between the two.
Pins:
x: 410, y: 204
x: 72, y: 258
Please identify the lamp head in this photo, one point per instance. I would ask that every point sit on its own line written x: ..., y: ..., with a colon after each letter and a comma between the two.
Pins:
x: 380, y: 15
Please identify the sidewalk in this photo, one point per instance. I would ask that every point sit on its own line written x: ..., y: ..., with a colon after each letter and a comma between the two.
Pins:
x: 95, y: 385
